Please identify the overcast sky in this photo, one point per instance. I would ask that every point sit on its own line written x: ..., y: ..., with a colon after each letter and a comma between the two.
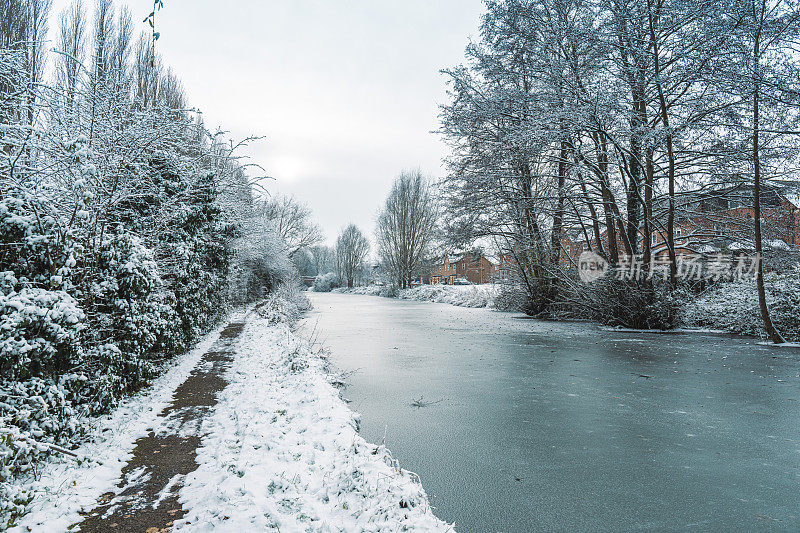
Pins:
x: 345, y: 91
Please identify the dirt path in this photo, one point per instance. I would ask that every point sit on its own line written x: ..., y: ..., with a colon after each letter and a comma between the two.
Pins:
x: 146, y: 499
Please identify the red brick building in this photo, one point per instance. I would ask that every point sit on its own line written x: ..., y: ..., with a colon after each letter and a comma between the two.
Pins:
x: 475, y: 270
x: 715, y: 220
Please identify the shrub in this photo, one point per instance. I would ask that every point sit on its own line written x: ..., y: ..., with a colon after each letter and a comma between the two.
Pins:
x: 389, y: 291
x: 637, y: 304
x: 132, y: 307
x: 325, y: 282
x: 510, y: 298
x: 39, y: 331
x: 286, y: 304
x: 32, y: 413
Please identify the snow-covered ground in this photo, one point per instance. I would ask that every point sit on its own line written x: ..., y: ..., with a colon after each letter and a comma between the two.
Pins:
x: 281, y: 451
x: 733, y: 306
x: 459, y: 295
x: 65, y: 487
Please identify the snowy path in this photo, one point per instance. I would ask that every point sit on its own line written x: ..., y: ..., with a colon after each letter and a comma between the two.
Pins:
x: 146, y: 498
x: 246, y: 435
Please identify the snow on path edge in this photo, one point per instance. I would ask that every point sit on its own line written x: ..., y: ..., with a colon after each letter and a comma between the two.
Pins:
x: 65, y: 487
x: 282, y: 451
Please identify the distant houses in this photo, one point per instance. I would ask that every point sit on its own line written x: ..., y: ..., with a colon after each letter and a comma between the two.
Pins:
x: 720, y: 220
x: 453, y: 268
x: 706, y: 223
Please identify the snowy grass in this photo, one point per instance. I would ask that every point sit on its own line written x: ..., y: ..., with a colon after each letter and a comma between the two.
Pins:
x: 63, y: 487
x: 733, y: 306
x: 458, y: 295
x: 282, y: 451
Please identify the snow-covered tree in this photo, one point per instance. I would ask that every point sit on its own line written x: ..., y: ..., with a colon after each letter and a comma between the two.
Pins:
x: 406, y: 228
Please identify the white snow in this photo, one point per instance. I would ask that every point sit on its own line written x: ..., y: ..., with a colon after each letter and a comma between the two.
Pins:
x: 458, y: 295
x: 781, y: 345
x: 282, y: 452
x: 777, y: 244
x: 65, y: 487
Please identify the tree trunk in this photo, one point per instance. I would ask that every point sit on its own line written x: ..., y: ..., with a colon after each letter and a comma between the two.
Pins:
x: 608, y: 200
x: 558, y: 216
x: 673, y: 264
x: 773, y: 333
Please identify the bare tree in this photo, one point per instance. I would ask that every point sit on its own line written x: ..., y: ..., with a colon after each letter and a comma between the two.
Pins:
x: 70, y: 44
x: 599, y: 124
x: 292, y: 221
x: 351, y: 251
x: 23, y: 29
x: 762, y: 78
x: 406, y: 226
x: 323, y: 259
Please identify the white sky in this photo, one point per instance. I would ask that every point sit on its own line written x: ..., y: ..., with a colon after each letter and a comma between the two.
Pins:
x: 345, y: 91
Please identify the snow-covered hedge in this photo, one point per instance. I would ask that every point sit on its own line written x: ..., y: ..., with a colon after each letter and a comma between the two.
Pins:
x: 733, y: 306
x: 85, y: 322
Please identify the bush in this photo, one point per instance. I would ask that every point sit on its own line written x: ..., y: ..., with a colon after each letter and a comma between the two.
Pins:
x: 458, y: 295
x: 636, y: 304
x: 389, y: 291
x: 733, y: 306
x: 326, y: 282
x: 286, y: 304
x: 133, y: 309
x: 39, y: 332
x: 32, y: 413
x: 511, y: 298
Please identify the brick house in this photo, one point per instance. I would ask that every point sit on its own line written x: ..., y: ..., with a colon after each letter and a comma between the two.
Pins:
x: 443, y: 273
x: 506, y: 268
x: 713, y: 220
x: 475, y: 270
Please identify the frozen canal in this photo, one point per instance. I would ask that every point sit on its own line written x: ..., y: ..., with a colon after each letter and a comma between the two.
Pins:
x: 546, y: 426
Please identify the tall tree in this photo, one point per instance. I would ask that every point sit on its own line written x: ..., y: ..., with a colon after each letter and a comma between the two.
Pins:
x: 406, y: 227
x: 70, y: 44
x: 292, y: 221
x: 351, y: 251
x: 764, y: 34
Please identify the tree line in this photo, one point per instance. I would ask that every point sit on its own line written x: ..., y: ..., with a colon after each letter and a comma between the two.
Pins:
x: 599, y: 117
x: 406, y: 229
x: 127, y: 229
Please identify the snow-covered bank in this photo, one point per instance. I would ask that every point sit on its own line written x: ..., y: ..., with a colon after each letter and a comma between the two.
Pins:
x: 282, y: 451
x: 733, y: 306
x: 458, y: 295
x: 65, y: 487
